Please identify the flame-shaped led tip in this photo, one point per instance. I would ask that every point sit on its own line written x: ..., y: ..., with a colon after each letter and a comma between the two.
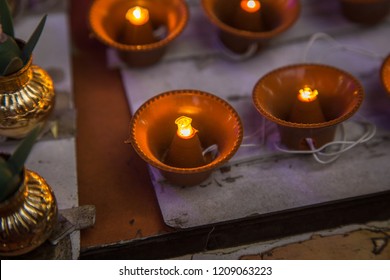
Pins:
x: 250, y: 6
x: 137, y: 15
x: 307, y: 94
x: 184, y: 127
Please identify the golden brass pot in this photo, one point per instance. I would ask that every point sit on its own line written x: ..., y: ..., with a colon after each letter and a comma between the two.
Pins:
x: 26, y: 99
x: 28, y: 217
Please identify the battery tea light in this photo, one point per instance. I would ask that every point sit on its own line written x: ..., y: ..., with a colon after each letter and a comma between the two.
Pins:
x: 140, y: 30
x: 249, y: 16
x: 173, y: 131
x: 185, y: 150
x: 306, y: 108
x: 243, y: 24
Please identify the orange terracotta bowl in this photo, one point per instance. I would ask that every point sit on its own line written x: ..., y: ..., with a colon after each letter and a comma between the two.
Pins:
x: 385, y: 74
x: 365, y: 11
x: 153, y: 127
x: 107, y: 19
x: 276, y: 17
x: 339, y: 97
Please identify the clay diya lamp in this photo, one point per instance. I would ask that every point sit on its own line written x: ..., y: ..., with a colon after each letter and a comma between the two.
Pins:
x: 140, y: 30
x: 244, y: 23
x: 385, y: 74
x: 365, y: 11
x: 173, y: 130
x: 307, y: 101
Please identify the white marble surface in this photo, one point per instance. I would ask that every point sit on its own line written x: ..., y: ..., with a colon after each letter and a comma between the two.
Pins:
x: 265, y: 180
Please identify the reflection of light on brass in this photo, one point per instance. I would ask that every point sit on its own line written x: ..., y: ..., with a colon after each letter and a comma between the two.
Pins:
x: 28, y: 217
x: 27, y: 99
x: 307, y: 94
x: 184, y: 127
x: 137, y: 15
x: 250, y: 6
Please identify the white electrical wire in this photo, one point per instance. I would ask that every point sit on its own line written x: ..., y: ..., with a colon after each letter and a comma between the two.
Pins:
x: 258, y: 131
x: 213, y: 149
x: 345, y: 145
x: 337, y: 46
x: 252, y: 49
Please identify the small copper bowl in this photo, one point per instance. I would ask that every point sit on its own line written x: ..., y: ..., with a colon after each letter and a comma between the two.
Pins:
x: 385, y: 74
x: 365, y: 11
x: 108, y: 17
x: 277, y: 17
x: 152, y: 129
x: 340, y: 96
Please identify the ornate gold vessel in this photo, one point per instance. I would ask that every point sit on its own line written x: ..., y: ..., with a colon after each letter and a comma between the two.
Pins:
x: 26, y: 98
x: 28, y: 217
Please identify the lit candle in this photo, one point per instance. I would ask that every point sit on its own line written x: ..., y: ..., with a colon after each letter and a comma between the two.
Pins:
x: 137, y: 29
x: 307, y: 108
x: 137, y: 15
x: 250, y: 6
x: 307, y: 94
x: 184, y: 127
x: 185, y: 150
x: 248, y: 16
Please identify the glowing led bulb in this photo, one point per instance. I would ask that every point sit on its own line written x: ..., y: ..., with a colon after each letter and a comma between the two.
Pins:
x: 184, y: 128
x: 250, y: 6
x: 307, y: 94
x: 137, y: 15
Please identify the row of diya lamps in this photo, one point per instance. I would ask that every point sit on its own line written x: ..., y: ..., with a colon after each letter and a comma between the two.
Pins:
x: 304, y: 100
x: 140, y: 30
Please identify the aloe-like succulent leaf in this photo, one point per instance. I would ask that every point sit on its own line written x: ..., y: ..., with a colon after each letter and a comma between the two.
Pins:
x: 13, y: 66
x: 30, y: 45
x: 6, y: 18
x: 7, y: 183
x: 5, y: 178
x: 18, y: 158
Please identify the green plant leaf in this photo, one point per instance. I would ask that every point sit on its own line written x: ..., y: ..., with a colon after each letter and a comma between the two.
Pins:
x: 18, y: 158
x: 5, y: 178
x: 13, y: 66
x: 10, y: 173
x: 30, y: 45
x: 6, y: 18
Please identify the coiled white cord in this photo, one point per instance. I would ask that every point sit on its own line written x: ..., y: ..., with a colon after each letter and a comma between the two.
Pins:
x: 345, y: 145
x: 337, y: 46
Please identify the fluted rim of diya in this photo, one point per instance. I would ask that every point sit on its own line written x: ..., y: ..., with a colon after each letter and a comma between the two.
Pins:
x: 158, y: 163
x: 385, y: 73
x: 356, y: 96
x: 97, y: 12
x: 254, y: 35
